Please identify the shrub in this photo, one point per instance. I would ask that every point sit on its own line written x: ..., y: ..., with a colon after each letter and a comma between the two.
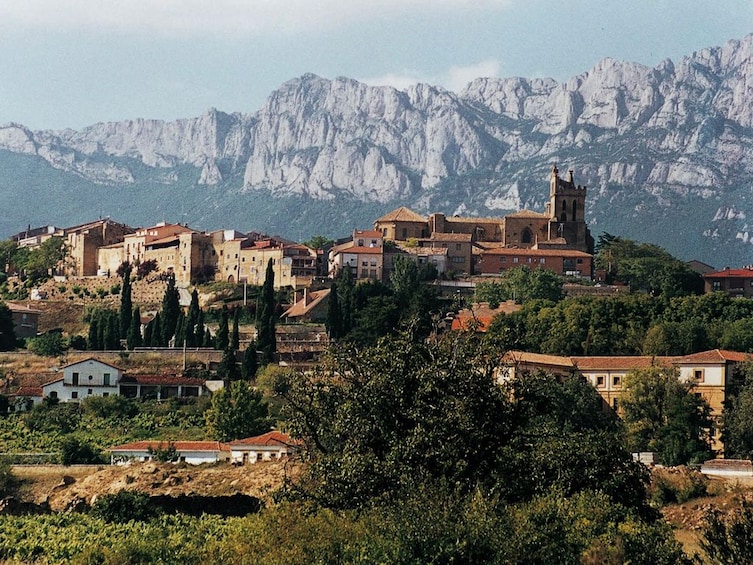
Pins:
x: 676, y: 485
x: 115, y: 406
x: 7, y: 480
x: 75, y: 451
x: 101, y: 292
x: 124, y: 506
x: 50, y: 344
x: 115, y: 289
x: 50, y: 417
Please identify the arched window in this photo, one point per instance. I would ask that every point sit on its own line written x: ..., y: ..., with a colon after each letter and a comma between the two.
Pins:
x: 563, y: 216
x: 526, y: 236
x: 575, y: 207
x: 564, y: 206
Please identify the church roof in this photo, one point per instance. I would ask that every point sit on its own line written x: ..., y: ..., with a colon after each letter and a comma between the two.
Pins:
x: 402, y: 214
x: 527, y: 214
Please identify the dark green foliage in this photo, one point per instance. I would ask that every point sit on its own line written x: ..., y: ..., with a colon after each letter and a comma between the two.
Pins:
x: 134, y: 339
x: 250, y: 363
x: 77, y: 342
x: 664, y: 415
x: 126, y: 303
x: 318, y: 242
x: 672, y: 486
x: 223, y: 332
x: 61, y: 417
x: 145, y: 268
x: 50, y: 344
x: 123, y: 507
x: 727, y: 536
x: 266, y: 317
x: 522, y: 285
x: 334, y: 321
x: 235, y: 337
x: 156, y: 332
x: 7, y: 329
x: 7, y: 480
x: 114, y: 406
x: 737, y: 431
x: 192, y: 329
x: 167, y: 454
x: 237, y: 411
x: 208, y: 340
x: 76, y: 451
x: 180, y: 330
x: 646, y: 267
x: 228, y: 368
x: 38, y: 264
x: 170, y: 312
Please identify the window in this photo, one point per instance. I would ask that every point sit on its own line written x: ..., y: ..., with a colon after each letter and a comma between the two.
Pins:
x: 74, y: 394
x: 529, y: 260
x: 579, y: 261
x: 364, y: 263
x: 105, y: 394
x: 106, y: 379
x: 503, y: 259
x: 515, y: 259
x: 542, y: 260
x: 360, y: 243
x: 716, y: 285
x: 75, y: 379
x: 91, y: 377
x: 458, y: 246
x: 405, y: 233
x: 458, y: 259
x: 600, y: 380
x: 698, y: 375
x: 89, y: 391
x: 373, y: 262
x: 526, y: 236
x: 616, y: 380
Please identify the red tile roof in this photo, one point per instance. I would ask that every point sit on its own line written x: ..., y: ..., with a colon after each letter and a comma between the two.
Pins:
x: 181, y: 446
x: 270, y: 438
x: 303, y: 307
x: 714, y: 356
x: 402, y: 214
x: 482, y: 314
x: 730, y: 274
x: 164, y: 380
x: 28, y: 391
x: 616, y: 363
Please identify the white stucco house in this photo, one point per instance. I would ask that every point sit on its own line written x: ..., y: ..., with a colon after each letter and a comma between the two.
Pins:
x: 89, y: 377
x: 266, y: 447
x: 192, y: 452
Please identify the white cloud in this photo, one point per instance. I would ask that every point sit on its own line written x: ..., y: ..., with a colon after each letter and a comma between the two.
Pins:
x: 229, y: 16
x: 455, y: 78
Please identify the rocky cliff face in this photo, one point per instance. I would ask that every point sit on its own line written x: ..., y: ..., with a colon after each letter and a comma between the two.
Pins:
x: 654, y: 141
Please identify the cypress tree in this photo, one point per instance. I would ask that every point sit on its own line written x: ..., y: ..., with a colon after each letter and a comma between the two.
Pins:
x: 126, y: 304
x: 235, y: 338
x: 192, y: 321
x: 180, y: 330
x: 265, y: 317
x: 250, y: 364
x: 114, y: 331
x: 223, y: 337
x: 92, y: 340
x: 148, y: 333
x: 227, y: 368
x: 199, y: 333
x: 346, y: 298
x: 208, y: 341
x: 157, y: 332
x: 170, y: 311
x: 333, y: 322
x: 133, y: 339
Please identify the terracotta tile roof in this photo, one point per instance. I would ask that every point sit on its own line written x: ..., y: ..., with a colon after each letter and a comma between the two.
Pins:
x: 367, y: 233
x: 730, y: 274
x: 616, y: 363
x: 28, y: 391
x: 512, y: 251
x: 53, y: 381
x: 181, y: 446
x: 91, y: 359
x: 527, y: 214
x: 402, y: 214
x: 537, y: 359
x: 482, y: 314
x: 164, y: 380
x: 270, y: 438
x: 302, y: 307
x: 714, y: 356
x: 350, y: 247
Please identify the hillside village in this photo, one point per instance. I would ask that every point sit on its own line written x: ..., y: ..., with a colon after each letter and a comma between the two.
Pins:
x: 166, y: 344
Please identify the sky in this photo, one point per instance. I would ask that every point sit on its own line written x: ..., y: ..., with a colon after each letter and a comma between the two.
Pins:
x: 73, y: 63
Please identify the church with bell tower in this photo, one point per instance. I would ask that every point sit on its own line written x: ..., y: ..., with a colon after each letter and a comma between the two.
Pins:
x: 567, y: 213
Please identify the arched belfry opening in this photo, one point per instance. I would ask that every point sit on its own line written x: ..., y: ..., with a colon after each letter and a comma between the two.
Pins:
x: 526, y: 236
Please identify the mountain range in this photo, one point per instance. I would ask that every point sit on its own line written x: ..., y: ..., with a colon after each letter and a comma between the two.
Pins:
x: 666, y: 153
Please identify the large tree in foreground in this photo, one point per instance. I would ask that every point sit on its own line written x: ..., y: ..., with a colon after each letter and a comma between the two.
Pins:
x: 663, y: 414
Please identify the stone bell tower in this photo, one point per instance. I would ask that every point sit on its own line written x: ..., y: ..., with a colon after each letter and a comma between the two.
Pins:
x: 567, y: 212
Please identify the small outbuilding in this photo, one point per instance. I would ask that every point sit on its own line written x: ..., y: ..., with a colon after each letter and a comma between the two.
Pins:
x: 193, y: 452
x: 266, y: 447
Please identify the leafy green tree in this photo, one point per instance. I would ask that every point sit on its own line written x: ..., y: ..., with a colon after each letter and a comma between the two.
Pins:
x: 222, y: 340
x: 134, y: 339
x: 7, y: 329
x: 318, y: 242
x: 170, y: 311
x: 266, y: 317
x: 38, y: 264
x: 50, y: 344
x: 663, y: 414
x: 76, y: 451
x: 8, y: 249
x: 727, y: 535
x: 126, y: 302
x: 737, y: 417
x: 237, y: 411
